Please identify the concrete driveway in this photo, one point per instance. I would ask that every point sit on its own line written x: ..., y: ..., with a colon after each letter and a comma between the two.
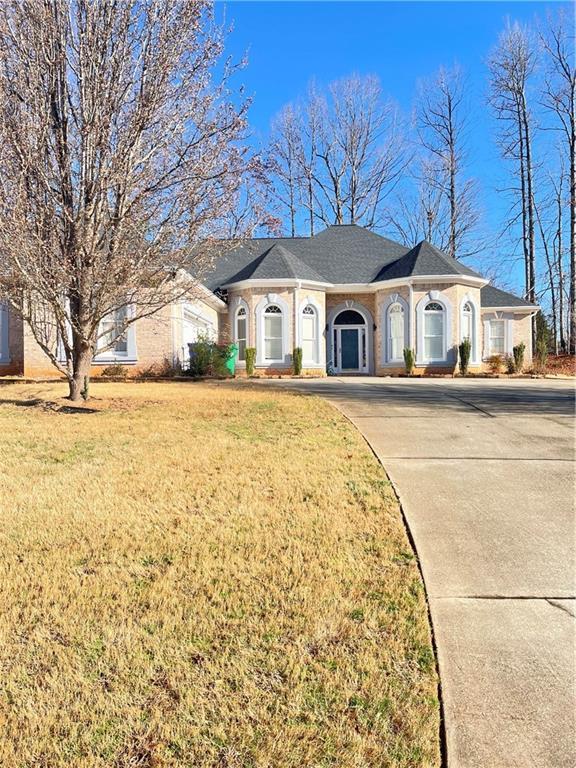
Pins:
x: 485, y: 474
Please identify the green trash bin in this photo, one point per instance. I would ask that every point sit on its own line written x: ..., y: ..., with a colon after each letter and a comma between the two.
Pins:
x: 231, y: 361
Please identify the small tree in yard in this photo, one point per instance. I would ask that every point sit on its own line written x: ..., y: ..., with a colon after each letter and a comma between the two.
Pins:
x: 518, y: 352
x: 408, y: 360
x: 542, y: 341
x: 250, y: 360
x: 464, y: 350
x: 120, y: 161
x: 297, y: 360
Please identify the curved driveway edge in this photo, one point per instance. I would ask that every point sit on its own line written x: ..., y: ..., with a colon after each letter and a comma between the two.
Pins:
x: 485, y: 473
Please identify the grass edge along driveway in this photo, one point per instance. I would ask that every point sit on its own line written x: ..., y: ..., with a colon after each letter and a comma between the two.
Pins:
x: 204, y: 575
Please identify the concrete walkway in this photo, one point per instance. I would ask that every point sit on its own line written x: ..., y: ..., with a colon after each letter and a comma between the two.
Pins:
x: 485, y: 474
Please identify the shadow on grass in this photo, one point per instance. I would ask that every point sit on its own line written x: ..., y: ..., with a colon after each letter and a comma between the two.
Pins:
x: 46, y: 405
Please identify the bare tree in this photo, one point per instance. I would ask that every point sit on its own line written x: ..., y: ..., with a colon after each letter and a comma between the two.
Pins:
x: 420, y: 213
x: 362, y: 151
x: 284, y: 154
x: 512, y: 65
x: 312, y: 114
x: 442, y: 125
x: 119, y: 154
x: 350, y: 152
x: 255, y: 207
x: 559, y: 98
x: 558, y: 188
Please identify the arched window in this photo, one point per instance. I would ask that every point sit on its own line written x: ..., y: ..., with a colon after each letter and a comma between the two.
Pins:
x: 309, y: 334
x: 240, y: 332
x: 273, y: 341
x: 349, y: 317
x: 395, y: 332
x: 467, y: 322
x: 434, y: 329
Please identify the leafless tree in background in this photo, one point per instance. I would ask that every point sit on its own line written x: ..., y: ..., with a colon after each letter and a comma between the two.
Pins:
x: 559, y: 98
x: 119, y: 154
x: 284, y: 154
x: 442, y: 126
x: 419, y: 212
x: 361, y: 151
x: 512, y: 65
x: 312, y: 116
x: 350, y: 152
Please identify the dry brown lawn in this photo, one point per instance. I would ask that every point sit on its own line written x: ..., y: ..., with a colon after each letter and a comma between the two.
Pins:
x: 204, y: 575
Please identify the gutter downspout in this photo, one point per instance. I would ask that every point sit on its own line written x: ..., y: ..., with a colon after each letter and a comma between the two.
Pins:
x: 411, y: 318
x: 296, y: 334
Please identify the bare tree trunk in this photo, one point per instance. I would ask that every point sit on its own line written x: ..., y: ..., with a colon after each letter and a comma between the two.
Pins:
x: 560, y: 267
x: 572, y: 306
x: 442, y: 127
x: 78, y: 383
x: 530, y: 210
x: 453, y: 163
x: 551, y: 282
x: 524, y: 205
x: 512, y: 66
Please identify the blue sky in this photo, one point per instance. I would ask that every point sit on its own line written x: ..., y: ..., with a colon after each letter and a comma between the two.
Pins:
x: 289, y: 43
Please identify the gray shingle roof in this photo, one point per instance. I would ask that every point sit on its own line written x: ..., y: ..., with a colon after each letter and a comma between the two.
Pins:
x: 490, y: 296
x: 344, y: 253
x: 424, y: 259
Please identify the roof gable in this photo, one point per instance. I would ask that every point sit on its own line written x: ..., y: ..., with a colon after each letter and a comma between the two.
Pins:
x: 422, y: 260
x: 279, y: 263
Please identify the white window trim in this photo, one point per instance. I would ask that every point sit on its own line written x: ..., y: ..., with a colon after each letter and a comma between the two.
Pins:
x: 237, y: 304
x: 385, y: 342
x: 448, y: 353
x: 475, y: 347
x: 128, y: 357
x: 508, y: 332
x: 4, y: 335
x: 319, y: 311
x: 265, y: 302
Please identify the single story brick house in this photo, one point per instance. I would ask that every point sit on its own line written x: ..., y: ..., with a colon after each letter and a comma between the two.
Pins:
x: 351, y: 299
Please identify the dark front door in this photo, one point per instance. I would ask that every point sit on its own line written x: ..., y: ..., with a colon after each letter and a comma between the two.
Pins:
x: 349, y: 348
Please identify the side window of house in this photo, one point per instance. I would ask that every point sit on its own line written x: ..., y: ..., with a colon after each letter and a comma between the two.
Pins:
x: 113, y: 327
x: 240, y: 332
x: 396, y: 331
x: 309, y: 334
x: 497, y: 331
x: 467, y: 326
x: 273, y: 341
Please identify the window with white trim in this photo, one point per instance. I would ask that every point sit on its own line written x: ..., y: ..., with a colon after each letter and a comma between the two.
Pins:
x: 467, y: 322
x: 396, y: 331
x: 240, y: 332
x: 434, y: 323
x: 309, y: 334
x: 273, y: 340
x: 497, y: 337
x: 112, y: 327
